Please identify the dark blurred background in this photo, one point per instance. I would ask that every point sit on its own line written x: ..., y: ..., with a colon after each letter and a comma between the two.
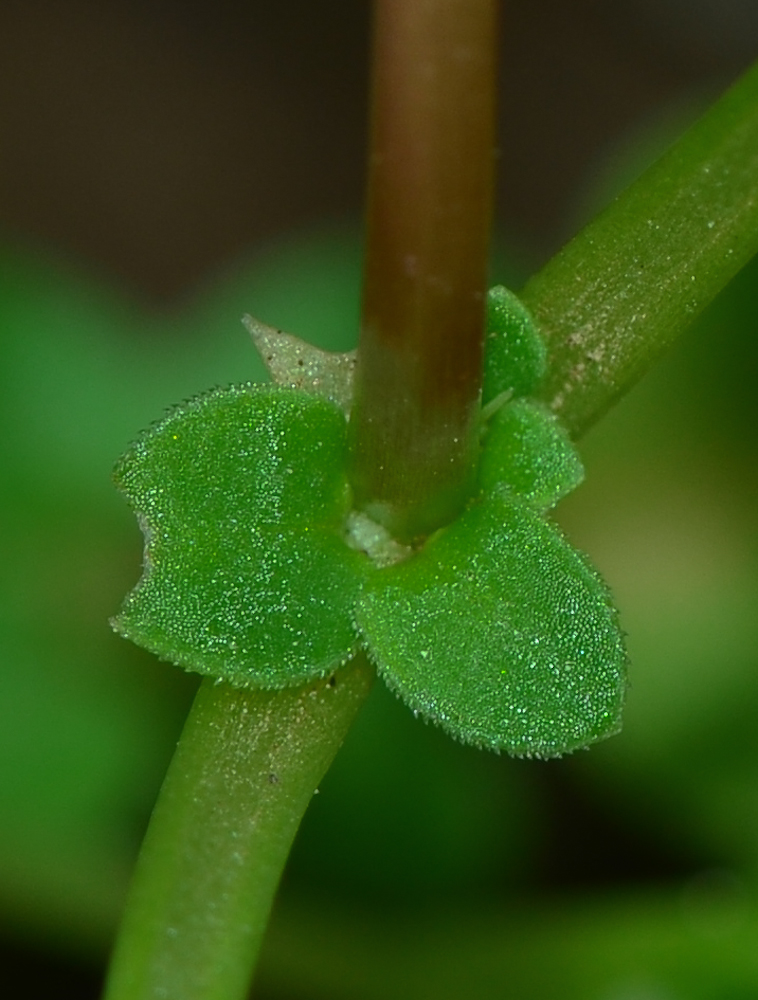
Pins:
x: 156, y: 145
x: 160, y: 140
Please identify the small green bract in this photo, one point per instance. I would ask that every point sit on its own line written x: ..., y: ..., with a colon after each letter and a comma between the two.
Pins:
x: 495, y: 629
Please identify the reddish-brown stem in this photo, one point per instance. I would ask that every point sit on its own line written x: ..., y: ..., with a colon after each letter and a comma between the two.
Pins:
x: 414, y: 424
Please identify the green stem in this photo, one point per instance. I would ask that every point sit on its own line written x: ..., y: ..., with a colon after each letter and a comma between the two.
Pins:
x: 415, y: 418
x: 241, y: 779
x: 617, y: 295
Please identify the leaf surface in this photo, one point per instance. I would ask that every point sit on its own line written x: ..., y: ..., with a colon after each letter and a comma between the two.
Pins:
x: 501, y: 633
x: 515, y: 356
x: 242, y: 498
x: 527, y: 449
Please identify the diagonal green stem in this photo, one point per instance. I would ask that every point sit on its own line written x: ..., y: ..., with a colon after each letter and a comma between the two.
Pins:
x: 233, y: 798
x: 617, y: 295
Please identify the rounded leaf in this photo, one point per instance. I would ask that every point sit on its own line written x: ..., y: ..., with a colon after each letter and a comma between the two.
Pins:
x: 242, y: 498
x: 501, y: 633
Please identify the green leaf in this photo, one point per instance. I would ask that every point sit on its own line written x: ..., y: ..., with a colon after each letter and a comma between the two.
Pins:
x: 242, y: 498
x: 515, y: 356
x: 527, y: 449
x: 501, y: 633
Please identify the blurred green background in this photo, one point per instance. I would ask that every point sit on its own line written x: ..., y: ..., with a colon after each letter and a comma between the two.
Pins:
x: 165, y: 168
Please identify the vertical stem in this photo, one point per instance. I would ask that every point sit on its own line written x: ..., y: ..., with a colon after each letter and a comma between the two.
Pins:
x: 240, y: 781
x: 414, y: 422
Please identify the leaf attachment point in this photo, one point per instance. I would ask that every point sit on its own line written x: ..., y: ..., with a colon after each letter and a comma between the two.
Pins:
x: 259, y: 572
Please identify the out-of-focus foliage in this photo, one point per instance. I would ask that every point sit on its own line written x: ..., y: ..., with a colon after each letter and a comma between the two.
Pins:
x: 406, y: 818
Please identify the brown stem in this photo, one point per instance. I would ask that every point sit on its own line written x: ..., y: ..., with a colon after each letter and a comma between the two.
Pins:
x: 414, y: 423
